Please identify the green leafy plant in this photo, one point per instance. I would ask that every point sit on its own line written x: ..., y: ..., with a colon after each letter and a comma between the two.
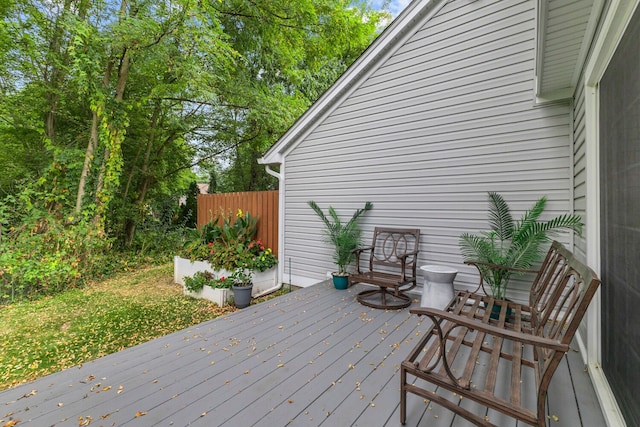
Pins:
x: 343, y: 236
x: 230, y: 245
x: 241, y: 277
x: 511, y: 245
x: 206, y: 278
x: 198, y: 281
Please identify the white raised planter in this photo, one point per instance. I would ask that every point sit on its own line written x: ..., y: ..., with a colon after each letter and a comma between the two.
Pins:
x: 263, y: 282
x: 216, y: 295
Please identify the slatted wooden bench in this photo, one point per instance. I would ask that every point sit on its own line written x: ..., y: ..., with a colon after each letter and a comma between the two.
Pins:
x: 467, y: 354
x: 391, y: 266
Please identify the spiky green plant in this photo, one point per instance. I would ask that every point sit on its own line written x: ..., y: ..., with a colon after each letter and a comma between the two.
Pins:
x: 514, y: 244
x: 343, y: 236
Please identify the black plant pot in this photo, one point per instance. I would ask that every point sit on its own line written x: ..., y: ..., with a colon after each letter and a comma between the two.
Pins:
x: 242, y: 296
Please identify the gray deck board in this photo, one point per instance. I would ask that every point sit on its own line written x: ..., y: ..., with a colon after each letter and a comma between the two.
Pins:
x: 314, y: 357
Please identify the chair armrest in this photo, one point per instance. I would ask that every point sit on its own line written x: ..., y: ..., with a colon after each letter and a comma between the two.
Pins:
x: 403, y: 263
x: 408, y: 254
x: 436, y: 315
x: 479, y: 264
x: 358, y: 251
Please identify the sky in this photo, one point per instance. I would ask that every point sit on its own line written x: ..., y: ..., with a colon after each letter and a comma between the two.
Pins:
x: 395, y: 6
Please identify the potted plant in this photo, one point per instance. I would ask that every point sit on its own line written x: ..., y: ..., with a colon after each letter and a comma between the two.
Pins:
x: 512, y: 247
x: 242, y: 287
x: 343, y: 236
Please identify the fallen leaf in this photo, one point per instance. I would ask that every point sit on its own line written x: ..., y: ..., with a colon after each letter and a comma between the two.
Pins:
x: 31, y: 393
x: 120, y: 389
x: 141, y: 414
x: 11, y: 423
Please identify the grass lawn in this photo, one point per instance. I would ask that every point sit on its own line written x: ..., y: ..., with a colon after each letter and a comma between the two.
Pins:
x: 45, y: 336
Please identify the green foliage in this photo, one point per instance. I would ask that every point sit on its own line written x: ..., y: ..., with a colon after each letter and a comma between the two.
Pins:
x: 514, y: 244
x: 229, y: 244
x: 206, y: 278
x: 343, y: 236
x: 46, y: 249
x: 241, y: 277
x: 104, y: 112
x: 188, y: 215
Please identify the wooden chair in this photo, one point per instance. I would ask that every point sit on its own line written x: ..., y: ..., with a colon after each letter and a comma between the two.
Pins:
x: 498, y: 363
x: 391, y: 266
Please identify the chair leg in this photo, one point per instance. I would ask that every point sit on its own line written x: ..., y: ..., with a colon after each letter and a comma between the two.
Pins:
x: 364, y: 298
x: 403, y: 396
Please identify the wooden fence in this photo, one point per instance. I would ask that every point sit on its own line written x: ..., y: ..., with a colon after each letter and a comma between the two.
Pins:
x: 263, y: 204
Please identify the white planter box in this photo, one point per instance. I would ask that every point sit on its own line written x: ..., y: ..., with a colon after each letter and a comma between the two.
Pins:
x: 263, y: 282
x: 216, y: 295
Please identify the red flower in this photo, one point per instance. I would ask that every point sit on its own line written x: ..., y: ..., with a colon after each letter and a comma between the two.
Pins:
x: 210, y: 244
x: 261, y: 248
x: 222, y: 279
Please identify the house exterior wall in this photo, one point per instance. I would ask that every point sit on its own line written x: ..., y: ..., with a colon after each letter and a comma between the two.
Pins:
x: 449, y: 116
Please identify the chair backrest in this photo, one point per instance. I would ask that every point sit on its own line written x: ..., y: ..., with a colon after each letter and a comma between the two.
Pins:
x: 390, y: 243
x: 559, y: 298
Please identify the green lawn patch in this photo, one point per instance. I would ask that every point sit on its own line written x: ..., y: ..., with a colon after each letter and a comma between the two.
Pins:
x: 45, y: 336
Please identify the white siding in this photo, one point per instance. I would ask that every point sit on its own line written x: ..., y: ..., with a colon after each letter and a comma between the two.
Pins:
x: 449, y: 116
x: 579, y: 169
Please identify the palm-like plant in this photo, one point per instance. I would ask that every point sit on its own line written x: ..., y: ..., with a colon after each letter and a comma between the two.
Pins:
x: 344, y: 236
x: 512, y: 245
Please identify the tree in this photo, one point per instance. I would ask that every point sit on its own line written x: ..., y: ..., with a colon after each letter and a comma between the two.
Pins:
x: 108, y: 105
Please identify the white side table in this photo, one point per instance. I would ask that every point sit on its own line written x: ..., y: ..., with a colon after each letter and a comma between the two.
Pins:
x: 438, y: 285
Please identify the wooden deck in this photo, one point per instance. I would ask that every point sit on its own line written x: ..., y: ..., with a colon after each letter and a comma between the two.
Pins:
x: 313, y: 357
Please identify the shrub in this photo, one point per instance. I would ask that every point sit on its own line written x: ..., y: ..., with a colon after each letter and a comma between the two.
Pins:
x: 205, y: 278
x: 230, y: 245
x: 48, y: 257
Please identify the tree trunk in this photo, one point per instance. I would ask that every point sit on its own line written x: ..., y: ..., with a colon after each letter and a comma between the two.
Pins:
x: 131, y: 223
x: 115, y: 135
